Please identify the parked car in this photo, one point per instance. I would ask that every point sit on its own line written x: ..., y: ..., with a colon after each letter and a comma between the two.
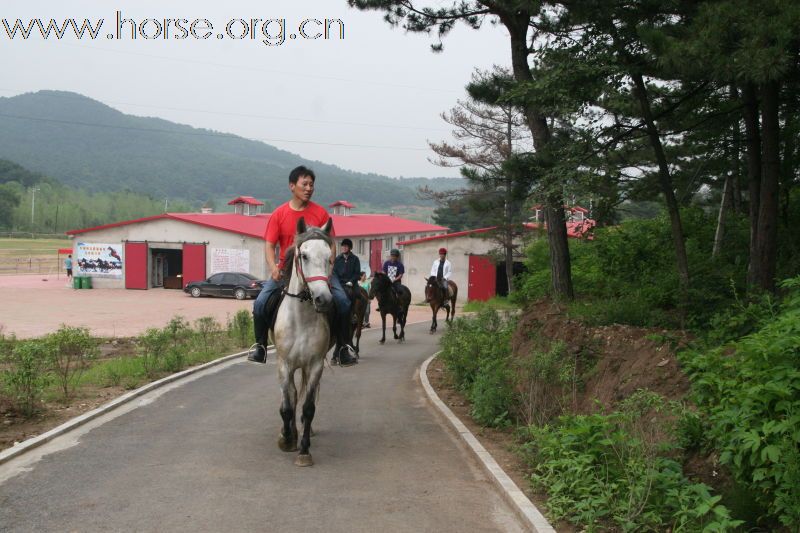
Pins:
x: 239, y: 285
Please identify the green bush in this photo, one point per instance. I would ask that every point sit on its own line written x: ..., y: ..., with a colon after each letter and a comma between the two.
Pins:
x: 476, y: 350
x: 70, y: 350
x: 240, y: 328
x: 153, y: 347
x: 749, y: 391
x: 26, y: 376
x: 208, y: 330
x: 611, y: 472
x: 627, y: 274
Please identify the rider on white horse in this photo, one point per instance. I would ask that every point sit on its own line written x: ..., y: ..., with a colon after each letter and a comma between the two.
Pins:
x: 281, y: 230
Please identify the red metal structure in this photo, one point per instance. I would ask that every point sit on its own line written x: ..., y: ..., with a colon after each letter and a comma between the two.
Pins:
x: 136, y: 265
x: 482, y: 278
x: 194, y: 263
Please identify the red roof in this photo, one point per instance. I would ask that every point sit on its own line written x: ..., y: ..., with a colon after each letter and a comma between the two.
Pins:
x: 256, y: 226
x: 448, y: 235
x: 245, y: 200
x: 343, y: 203
x: 62, y: 251
x: 575, y: 230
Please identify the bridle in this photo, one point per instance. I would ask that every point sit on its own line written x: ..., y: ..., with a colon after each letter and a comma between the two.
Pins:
x: 305, y: 294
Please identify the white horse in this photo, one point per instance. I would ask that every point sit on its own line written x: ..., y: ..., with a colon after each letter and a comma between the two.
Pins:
x: 302, y: 334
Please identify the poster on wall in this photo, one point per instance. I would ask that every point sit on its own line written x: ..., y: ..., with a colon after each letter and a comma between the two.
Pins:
x: 229, y: 260
x: 98, y: 260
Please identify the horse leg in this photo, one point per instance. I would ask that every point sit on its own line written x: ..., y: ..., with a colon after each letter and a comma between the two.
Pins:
x: 434, y: 325
x: 383, y: 324
x: 309, y: 408
x: 403, y: 325
x: 288, y: 437
x: 394, y: 326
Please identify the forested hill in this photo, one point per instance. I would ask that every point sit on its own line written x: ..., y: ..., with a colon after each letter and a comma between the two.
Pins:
x: 84, y: 143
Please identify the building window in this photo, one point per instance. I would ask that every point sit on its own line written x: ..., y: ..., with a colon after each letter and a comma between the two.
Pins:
x: 390, y: 242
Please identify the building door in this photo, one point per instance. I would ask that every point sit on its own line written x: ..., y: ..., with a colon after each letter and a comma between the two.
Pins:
x: 194, y: 263
x: 135, y: 265
x: 376, y: 255
x: 482, y: 278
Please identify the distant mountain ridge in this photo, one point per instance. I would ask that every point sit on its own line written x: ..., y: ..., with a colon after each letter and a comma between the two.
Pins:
x: 84, y: 143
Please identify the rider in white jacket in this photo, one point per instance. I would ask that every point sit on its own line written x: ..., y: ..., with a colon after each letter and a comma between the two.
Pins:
x: 442, y: 271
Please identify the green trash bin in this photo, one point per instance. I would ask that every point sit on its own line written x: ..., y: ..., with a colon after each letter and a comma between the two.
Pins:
x: 76, y: 282
x: 86, y: 282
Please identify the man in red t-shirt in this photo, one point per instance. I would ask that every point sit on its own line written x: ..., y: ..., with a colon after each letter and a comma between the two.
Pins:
x: 281, y: 230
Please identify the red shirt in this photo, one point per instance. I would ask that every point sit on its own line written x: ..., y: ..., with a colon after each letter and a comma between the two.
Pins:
x: 282, y: 224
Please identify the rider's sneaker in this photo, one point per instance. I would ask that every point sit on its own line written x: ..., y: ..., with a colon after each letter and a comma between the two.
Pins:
x: 257, y: 355
x: 347, y: 356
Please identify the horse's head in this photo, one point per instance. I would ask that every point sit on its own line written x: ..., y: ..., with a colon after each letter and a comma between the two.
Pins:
x: 430, y: 287
x: 380, y: 282
x: 313, y: 262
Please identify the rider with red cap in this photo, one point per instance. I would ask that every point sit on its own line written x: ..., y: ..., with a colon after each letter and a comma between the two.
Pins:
x: 442, y: 270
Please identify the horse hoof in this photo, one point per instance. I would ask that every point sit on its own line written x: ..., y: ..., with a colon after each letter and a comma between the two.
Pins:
x: 381, y: 341
x: 304, y: 460
x: 286, y: 446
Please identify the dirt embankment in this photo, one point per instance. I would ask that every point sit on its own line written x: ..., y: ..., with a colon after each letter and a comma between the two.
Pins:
x: 617, y: 360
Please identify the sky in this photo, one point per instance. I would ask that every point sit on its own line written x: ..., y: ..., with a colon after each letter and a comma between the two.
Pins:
x: 369, y: 101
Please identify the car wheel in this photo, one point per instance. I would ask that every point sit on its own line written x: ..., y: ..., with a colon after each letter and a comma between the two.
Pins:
x: 239, y: 294
x: 196, y: 292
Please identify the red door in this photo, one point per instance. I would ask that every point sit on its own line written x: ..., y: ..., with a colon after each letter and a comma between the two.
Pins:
x: 376, y: 255
x: 482, y: 278
x: 194, y: 263
x: 135, y: 265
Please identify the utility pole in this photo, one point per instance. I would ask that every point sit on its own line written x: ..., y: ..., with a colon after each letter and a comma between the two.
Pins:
x: 166, y: 203
x: 33, y: 203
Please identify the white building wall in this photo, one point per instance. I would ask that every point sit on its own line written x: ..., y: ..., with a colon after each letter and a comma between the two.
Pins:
x: 171, y: 234
x: 418, y: 259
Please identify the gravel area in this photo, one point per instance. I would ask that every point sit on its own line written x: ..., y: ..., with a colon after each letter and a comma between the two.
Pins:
x: 34, y: 305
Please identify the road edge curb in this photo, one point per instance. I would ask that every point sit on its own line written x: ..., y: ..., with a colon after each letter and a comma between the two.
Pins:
x: 34, y: 442
x: 524, y: 507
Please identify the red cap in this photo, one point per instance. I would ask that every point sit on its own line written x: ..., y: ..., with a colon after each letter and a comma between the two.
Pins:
x: 443, y: 251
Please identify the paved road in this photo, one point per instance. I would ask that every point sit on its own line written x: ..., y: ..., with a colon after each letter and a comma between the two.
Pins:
x: 202, y: 456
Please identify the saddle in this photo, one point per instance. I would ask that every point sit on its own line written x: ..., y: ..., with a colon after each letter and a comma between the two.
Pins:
x: 276, y: 298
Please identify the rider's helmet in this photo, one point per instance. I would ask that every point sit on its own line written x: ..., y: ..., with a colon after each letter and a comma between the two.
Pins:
x: 395, y: 252
x: 347, y: 242
x: 442, y: 251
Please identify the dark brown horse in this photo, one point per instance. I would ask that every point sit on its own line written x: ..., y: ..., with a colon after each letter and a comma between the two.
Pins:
x: 435, y: 295
x: 360, y: 299
x: 391, y: 303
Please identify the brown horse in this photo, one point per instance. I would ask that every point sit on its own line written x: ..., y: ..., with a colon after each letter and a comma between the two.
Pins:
x: 391, y: 303
x: 360, y: 299
x: 434, y: 295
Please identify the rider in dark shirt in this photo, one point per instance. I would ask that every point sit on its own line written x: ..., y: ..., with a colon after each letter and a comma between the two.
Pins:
x: 347, y: 265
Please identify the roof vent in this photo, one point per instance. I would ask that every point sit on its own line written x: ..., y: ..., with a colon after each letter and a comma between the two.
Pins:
x: 342, y: 207
x: 245, y: 205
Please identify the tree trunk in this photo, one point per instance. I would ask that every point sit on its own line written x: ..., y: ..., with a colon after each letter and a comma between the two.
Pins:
x: 753, y: 152
x: 724, y: 205
x: 665, y: 180
x: 767, y: 232
x: 560, y: 268
x: 736, y: 152
x: 509, y: 238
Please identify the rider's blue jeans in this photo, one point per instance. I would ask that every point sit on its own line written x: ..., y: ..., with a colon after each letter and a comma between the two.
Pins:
x: 340, y: 300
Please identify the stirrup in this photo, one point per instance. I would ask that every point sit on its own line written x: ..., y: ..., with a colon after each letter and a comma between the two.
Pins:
x: 252, y: 353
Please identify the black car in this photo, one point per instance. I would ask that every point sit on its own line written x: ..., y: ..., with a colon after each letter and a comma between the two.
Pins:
x: 238, y: 285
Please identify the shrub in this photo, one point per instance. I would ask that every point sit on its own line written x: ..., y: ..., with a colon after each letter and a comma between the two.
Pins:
x: 476, y: 350
x: 546, y: 384
x: 749, y: 391
x: 70, y: 350
x: 153, y: 346
x: 240, y: 328
x: 613, y: 472
x: 208, y: 330
x: 27, y: 375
